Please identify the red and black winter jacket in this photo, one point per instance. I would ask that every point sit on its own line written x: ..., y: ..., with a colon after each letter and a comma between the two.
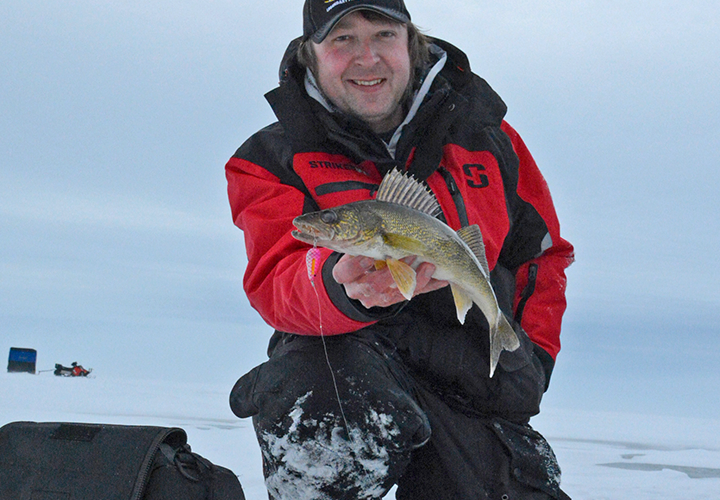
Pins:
x: 458, y: 143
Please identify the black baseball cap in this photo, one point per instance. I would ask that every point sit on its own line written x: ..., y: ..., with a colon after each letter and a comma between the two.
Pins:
x: 321, y: 16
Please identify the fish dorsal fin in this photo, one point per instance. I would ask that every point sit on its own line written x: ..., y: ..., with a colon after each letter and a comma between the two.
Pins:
x: 402, y: 189
x: 472, y: 236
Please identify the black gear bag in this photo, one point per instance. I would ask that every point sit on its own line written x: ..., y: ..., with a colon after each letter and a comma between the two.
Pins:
x: 73, y: 461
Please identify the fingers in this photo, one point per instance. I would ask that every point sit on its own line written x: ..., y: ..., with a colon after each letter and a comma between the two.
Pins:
x: 376, y: 287
x: 425, y: 281
x: 350, y: 268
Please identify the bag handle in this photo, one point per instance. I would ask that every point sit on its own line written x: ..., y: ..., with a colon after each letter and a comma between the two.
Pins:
x: 173, y: 437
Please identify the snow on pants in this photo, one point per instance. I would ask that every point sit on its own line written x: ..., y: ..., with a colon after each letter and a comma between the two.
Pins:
x: 345, y: 417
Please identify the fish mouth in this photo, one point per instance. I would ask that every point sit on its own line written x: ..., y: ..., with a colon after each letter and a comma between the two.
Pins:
x: 309, y: 233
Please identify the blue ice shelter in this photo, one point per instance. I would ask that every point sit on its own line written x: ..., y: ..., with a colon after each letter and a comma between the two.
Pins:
x: 22, y: 360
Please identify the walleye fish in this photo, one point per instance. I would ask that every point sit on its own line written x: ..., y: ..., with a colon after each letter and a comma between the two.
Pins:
x: 402, y: 221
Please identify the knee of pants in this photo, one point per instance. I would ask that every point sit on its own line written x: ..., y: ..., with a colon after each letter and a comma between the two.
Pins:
x: 335, y: 454
x: 346, y: 397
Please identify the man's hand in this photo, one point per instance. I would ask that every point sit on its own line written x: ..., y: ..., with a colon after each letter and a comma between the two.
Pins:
x: 376, y: 287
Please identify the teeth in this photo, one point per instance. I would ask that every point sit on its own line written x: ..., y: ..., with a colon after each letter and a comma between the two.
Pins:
x: 368, y: 83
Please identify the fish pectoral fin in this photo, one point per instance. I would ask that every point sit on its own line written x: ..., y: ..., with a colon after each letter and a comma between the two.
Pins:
x: 404, y: 276
x: 406, y: 243
x: 380, y: 264
x: 463, y: 302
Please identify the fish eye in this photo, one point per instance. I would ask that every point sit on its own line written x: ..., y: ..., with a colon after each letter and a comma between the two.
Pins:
x: 329, y: 217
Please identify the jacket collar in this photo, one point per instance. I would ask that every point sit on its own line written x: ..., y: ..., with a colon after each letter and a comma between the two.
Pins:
x: 313, y: 90
x: 311, y: 121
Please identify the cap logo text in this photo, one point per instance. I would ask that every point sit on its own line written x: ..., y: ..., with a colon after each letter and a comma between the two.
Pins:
x: 335, y: 3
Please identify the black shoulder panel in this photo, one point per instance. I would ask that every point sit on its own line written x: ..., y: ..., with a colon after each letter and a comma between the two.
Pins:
x: 270, y: 149
x: 527, y: 227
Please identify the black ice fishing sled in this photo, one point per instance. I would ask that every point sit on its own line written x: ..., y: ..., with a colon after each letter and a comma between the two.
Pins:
x: 74, y: 370
x: 54, y: 461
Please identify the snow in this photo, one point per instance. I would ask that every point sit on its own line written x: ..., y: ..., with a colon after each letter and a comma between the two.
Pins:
x: 604, y: 455
x: 324, y: 461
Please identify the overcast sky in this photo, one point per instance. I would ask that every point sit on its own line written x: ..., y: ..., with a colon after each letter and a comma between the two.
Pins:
x: 117, y: 248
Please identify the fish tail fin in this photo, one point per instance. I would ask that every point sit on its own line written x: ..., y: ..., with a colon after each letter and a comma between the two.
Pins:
x: 501, y: 337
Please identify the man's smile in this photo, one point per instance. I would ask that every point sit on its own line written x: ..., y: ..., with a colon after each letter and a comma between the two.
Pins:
x: 368, y: 83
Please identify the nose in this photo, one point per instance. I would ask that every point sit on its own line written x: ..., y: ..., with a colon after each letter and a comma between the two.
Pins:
x: 367, y: 53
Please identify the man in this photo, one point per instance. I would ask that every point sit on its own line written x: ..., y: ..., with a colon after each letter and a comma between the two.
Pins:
x: 363, y: 389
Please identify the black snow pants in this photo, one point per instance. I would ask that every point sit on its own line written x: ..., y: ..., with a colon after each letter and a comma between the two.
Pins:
x: 347, y: 417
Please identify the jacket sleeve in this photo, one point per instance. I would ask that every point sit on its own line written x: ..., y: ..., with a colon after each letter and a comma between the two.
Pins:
x: 540, y: 282
x: 276, y: 279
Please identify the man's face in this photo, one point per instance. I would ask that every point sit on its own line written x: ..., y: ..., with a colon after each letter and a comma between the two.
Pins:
x: 363, y: 67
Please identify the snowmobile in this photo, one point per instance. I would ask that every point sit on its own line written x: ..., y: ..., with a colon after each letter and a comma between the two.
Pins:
x: 74, y: 370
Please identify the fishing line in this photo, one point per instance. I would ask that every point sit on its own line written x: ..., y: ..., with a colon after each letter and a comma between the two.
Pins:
x: 312, y: 260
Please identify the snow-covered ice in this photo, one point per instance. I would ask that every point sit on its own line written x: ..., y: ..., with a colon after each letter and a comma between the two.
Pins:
x: 118, y: 249
x: 613, y: 456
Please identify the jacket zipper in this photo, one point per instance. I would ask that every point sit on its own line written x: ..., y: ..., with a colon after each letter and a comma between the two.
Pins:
x: 527, y: 291
x: 456, y: 196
